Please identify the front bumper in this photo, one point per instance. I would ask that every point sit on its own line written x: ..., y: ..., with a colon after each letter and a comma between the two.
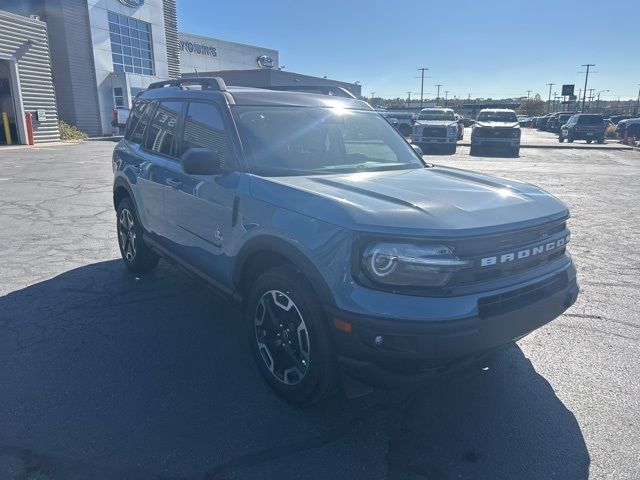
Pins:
x: 433, y: 140
x: 495, y: 142
x: 390, y: 352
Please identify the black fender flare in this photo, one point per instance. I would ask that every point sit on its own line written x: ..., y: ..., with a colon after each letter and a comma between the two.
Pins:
x: 288, y: 250
x: 118, y: 184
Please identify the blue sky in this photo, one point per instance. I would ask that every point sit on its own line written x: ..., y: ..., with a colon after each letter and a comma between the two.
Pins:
x: 488, y: 48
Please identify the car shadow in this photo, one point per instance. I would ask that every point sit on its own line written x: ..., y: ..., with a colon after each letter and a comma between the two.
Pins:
x: 109, y: 375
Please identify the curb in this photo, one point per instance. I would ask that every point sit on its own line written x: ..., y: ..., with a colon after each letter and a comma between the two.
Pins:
x: 573, y: 147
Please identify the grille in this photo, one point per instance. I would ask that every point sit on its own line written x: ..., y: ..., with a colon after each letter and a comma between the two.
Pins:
x: 497, y: 132
x: 521, y: 297
x: 497, y: 245
x: 434, y: 132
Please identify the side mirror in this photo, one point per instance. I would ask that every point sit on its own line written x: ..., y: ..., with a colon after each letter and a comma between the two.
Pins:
x: 418, y: 150
x: 200, y: 161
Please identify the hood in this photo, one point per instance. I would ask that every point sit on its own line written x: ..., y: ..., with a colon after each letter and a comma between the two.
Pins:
x: 435, y: 201
x: 436, y: 123
x: 497, y: 124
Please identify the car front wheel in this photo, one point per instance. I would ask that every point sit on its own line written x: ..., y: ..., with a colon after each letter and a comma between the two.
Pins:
x: 289, y: 336
x: 560, y: 138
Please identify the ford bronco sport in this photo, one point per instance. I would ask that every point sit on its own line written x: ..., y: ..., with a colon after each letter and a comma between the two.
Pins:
x: 353, y: 257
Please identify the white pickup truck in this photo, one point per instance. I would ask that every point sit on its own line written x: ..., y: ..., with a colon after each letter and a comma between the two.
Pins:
x: 436, y: 127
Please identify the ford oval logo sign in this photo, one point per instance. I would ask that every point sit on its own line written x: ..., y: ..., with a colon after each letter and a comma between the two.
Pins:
x: 265, y: 62
x: 132, y: 3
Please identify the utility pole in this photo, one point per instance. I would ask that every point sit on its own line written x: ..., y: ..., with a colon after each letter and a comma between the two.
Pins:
x: 372, y: 94
x: 438, y: 96
x: 422, y: 69
x: 586, y: 79
x: 635, y: 110
x: 528, y: 105
x: 591, y: 90
x: 549, y: 102
x: 409, y: 101
x: 446, y: 97
x: 598, y: 102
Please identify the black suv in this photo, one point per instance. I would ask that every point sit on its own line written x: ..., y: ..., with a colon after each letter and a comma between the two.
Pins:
x: 583, y: 126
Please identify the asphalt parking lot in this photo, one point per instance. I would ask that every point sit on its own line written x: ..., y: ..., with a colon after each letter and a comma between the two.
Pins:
x: 107, y: 376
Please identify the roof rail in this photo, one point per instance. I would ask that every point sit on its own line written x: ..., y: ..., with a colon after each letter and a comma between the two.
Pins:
x: 209, y: 83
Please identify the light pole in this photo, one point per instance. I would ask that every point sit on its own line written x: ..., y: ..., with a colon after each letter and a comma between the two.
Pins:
x: 438, y: 95
x: 528, y: 106
x: 422, y: 69
x: 409, y: 100
x: 586, y: 79
x: 635, y: 110
x: 598, y: 102
x: 372, y: 94
x: 549, y: 102
x: 446, y: 97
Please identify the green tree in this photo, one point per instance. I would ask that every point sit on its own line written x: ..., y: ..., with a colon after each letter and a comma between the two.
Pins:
x: 532, y: 107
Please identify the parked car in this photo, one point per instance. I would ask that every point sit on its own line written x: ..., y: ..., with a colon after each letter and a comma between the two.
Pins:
x: 496, y: 128
x: 583, y: 126
x: 460, y: 127
x: 524, y: 120
x: 542, y: 122
x: 120, y: 117
x: 405, y: 121
x: 351, y: 256
x: 617, y: 118
x: 560, y: 120
x: 436, y: 127
x: 631, y: 126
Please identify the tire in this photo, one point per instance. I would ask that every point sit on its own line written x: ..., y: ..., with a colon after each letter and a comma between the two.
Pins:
x: 560, y: 138
x: 515, y: 152
x: 451, y: 150
x: 473, y: 151
x: 569, y: 137
x: 136, y: 255
x: 300, y: 368
x: 589, y: 140
x: 601, y: 141
x: 404, y: 129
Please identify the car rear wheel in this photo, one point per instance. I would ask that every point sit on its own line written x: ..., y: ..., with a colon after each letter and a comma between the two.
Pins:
x: 560, y: 138
x: 570, y: 137
x: 589, y: 140
x: 136, y: 255
x: 601, y: 140
x: 289, y: 336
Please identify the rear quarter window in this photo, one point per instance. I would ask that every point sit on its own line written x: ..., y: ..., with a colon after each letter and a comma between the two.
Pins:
x: 138, y: 120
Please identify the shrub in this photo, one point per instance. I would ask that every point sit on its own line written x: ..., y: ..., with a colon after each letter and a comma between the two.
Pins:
x: 611, y: 132
x: 69, y: 132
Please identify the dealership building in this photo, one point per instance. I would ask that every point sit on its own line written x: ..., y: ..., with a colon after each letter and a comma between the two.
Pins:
x: 76, y: 60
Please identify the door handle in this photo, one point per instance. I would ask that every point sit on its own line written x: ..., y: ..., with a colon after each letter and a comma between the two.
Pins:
x: 173, y: 183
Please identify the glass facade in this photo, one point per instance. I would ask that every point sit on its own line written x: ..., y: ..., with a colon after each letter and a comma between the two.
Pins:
x: 130, y: 45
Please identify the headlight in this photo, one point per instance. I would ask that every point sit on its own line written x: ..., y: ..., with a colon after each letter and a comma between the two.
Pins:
x: 406, y: 264
x: 516, y: 132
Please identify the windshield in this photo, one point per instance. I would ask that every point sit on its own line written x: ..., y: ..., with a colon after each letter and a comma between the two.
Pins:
x: 317, y: 140
x: 590, y: 120
x: 438, y: 115
x: 497, y: 117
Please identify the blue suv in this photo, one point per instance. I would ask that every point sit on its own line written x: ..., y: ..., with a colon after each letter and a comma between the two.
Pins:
x: 353, y: 257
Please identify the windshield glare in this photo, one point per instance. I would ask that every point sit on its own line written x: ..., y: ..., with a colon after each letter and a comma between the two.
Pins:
x: 318, y: 140
x: 436, y: 116
x: 497, y: 117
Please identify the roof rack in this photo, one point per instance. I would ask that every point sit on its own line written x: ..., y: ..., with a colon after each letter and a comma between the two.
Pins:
x: 209, y: 83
